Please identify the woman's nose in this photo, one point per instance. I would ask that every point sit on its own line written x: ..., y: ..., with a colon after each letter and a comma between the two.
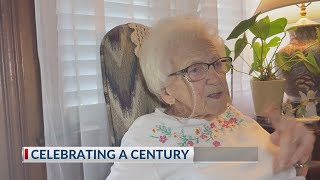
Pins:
x: 213, y: 76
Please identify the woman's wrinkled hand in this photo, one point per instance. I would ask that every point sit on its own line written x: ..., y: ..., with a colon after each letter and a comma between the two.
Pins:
x: 294, y: 139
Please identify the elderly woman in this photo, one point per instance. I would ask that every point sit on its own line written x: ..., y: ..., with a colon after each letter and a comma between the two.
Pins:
x: 185, y: 67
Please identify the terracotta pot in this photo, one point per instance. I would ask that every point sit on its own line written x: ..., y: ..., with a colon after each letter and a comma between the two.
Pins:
x: 265, y: 93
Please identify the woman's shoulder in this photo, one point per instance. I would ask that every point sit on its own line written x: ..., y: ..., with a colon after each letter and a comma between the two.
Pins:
x: 151, y: 119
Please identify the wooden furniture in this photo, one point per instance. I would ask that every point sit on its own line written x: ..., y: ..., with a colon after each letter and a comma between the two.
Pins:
x: 21, y: 119
x: 313, y: 173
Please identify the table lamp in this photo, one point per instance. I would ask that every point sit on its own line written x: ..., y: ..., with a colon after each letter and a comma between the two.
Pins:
x: 309, y: 10
x: 300, y: 14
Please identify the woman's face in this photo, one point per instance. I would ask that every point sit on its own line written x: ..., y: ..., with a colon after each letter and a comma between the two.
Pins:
x: 208, y: 96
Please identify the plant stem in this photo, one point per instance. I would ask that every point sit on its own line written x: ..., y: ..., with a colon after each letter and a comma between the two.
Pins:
x: 248, y: 65
x: 272, y: 58
x: 310, y: 46
x: 290, y: 68
x: 262, y: 60
x: 246, y: 73
x: 289, y: 60
x: 245, y: 61
x: 292, y: 55
x: 297, y: 61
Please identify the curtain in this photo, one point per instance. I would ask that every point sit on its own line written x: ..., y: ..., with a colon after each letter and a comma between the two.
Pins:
x: 230, y: 13
x: 69, y: 34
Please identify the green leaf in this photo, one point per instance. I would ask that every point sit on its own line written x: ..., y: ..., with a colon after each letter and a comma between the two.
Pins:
x: 277, y: 26
x: 257, y: 62
x: 300, y: 55
x: 261, y: 28
x: 274, y: 42
x: 282, y: 61
x: 312, y: 64
x: 228, y: 51
x: 259, y: 53
x: 255, y: 66
x: 309, y: 61
x: 239, y: 46
x: 318, y: 33
x: 254, y: 40
x: 242, y: 27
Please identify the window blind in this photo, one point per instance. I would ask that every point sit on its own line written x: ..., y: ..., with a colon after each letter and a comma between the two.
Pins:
x: 82, y: 24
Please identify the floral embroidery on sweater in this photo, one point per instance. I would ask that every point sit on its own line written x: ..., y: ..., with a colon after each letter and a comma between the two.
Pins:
x: 208, y: 133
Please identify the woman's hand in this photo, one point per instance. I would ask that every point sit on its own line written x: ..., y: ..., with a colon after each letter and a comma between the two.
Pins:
x: 294, y: 139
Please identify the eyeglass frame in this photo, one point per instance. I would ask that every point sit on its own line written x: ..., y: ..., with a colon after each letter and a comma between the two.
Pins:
x: 184, y: 71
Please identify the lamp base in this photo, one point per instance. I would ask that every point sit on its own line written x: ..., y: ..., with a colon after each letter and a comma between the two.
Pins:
x: 299, y: 78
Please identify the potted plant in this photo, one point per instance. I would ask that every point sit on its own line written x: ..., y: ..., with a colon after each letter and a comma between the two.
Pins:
x: 266, y: 84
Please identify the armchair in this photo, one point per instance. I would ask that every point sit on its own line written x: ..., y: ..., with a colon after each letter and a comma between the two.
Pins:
x: 125, y: 91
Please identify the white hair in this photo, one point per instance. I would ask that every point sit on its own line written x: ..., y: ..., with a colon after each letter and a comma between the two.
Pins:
x: 159, y: 50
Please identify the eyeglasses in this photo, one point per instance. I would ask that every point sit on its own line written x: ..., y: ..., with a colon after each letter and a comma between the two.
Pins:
x: 199, y: 71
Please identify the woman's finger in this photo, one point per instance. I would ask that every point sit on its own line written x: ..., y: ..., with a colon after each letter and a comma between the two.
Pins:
x: 305, y: 147
x: 287, y: 146
x: 274, y: 116
x: 275, y: 138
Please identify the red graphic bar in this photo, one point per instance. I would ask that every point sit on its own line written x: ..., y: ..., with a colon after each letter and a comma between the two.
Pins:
x: 25, y: 153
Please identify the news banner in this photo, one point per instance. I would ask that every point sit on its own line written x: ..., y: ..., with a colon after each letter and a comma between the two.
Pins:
x: 139, y: 154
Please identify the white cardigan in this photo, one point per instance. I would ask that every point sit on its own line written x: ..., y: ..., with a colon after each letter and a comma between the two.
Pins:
x: 231, y: 129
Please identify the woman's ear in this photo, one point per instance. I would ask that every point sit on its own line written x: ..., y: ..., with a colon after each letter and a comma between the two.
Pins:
x: 167, y: 97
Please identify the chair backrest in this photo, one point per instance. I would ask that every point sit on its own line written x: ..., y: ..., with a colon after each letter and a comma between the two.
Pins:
x: 125, y: 91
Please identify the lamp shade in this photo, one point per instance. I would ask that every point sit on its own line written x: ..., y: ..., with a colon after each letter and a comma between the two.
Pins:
x: 289, y: 9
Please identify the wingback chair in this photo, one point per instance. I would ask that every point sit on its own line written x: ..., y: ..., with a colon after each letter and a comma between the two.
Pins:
x: 125, y: 91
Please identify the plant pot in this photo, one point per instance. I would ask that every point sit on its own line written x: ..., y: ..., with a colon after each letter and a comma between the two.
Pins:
x: 266, y: 93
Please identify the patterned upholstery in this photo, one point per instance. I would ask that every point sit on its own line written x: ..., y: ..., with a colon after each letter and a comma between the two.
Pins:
x: 125, y: 91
